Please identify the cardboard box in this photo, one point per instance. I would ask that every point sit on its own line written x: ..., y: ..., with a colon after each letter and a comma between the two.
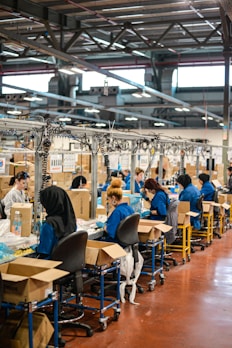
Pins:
x: 26, y: 211
x: 100, y: 210
x: 14, y: 332
x: 29, y: 279
x: 184, y: 213
x: 4, y: 182
x: 151, y: 229
x: 102, y: 253
x: 80, y: 199
x: 208, y: 207
x: 22, y: 166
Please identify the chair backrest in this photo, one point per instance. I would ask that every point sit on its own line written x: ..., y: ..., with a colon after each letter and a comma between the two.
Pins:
x: 172, y: 220
x: 200, y: 202
x: 127, y: 231
x: 215, y: 196
x: 71, y: 251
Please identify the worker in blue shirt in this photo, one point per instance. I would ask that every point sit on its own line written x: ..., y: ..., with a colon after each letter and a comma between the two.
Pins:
x: 60, y: 219
x: 127, y: 175
x: 207, y: 188
x: 139, y: 180
x: 160, y: 200
x: 190, y: 193
x: 120, y: 212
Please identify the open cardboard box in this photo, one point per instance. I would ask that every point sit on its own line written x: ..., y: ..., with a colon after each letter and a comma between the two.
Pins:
x: 29, y: 279
x: 14, y: 331
x: 151, y: 229
x: 184, y: 213
x: 208, y: 206
x: 102, y: 253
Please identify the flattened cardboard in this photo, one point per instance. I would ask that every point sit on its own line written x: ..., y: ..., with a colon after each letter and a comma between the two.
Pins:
x: 24, y: 281
x: 216, y: 183
x: 226, y: 206
x: 102, y: 253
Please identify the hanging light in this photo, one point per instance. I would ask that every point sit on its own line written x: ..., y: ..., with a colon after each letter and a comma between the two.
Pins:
x: 14, y: 112
x: 92, y: 110
x: 32, y: 98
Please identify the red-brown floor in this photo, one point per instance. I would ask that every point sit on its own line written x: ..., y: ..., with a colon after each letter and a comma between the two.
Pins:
x: 193, y: 309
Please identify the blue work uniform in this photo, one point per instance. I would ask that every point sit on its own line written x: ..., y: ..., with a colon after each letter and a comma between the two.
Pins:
x: 208, y: 191
x: 192, y: 194
x: 48, y: 240
x: 137, y: 186
x: 159, y: 202
x: 118, y: 214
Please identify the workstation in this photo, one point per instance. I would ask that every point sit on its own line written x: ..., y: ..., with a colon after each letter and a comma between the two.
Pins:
x: 118, y: 94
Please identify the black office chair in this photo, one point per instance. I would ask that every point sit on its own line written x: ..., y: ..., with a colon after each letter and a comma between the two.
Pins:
x: 127, y: 235
x: 71, y: 251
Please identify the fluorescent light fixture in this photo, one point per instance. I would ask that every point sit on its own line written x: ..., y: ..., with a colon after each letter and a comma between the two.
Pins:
x: 66, y: 71
x: 132, y: 118
x: 8, y: 53
x: 72, y: 70
x: 221, y: 124
x: 130, y: 16
x: 141, y: 95
x: 137, y: 95
x: 146, y: 95
x: 159, y: 124
x: 92, y: 110
x: 32, y: 98
x: 65, y: 119
x: 14, y: 112
x: 210, y: 118
x: 100, y: 124
x: 182, y: 109
x: 77, y: 70
x: 121, y: 8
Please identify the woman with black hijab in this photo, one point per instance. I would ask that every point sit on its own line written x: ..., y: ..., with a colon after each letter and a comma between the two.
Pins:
x: 60, y: 219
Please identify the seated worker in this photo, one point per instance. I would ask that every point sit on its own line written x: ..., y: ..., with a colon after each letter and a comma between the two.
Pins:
x: 207, y: 188
x: 120, y: 212
x: 139, y: 183
x: 189, y: 193
x: 229, y: 182
x: 16, y: 194
x: 126, y: 174
x: 79, y: 182
x: 113, y: 174
x: 160, y: 200
x: 60, y: 219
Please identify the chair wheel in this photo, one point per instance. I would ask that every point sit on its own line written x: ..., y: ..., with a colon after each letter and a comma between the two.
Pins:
x: 89, y: 333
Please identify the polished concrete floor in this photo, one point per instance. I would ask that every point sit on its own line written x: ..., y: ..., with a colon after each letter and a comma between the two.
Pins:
x: 193, y: 309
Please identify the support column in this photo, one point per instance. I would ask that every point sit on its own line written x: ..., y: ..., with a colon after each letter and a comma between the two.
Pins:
x: 226, y: 113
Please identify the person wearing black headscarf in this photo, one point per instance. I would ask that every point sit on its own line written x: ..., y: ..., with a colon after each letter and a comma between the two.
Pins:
x: 189, y: 193
x: 207, y: 188
x: 60, y: 219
